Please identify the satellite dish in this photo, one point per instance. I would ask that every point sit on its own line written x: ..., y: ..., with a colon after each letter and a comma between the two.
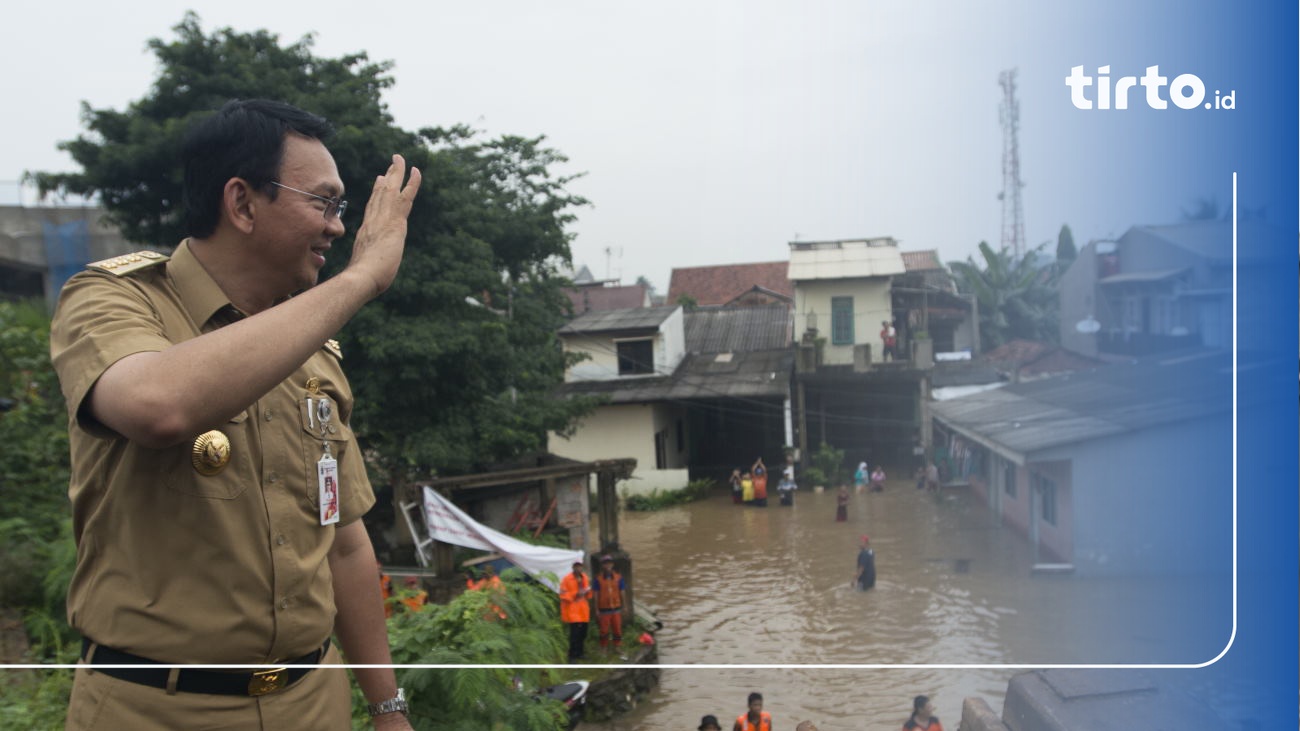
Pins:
x: 1088, y: 325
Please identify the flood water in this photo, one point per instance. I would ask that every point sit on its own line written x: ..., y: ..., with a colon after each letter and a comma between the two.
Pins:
x: 746, y: 585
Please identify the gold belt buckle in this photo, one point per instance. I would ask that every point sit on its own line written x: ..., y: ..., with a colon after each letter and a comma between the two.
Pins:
x: 268, y: 681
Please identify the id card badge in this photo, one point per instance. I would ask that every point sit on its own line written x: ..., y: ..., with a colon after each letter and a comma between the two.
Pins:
x: 327, y: 473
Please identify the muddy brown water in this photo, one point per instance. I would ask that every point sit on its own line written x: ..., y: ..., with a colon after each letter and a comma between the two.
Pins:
x: 771, y: 586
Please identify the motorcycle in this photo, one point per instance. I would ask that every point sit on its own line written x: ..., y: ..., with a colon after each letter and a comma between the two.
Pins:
x: 572, y: 694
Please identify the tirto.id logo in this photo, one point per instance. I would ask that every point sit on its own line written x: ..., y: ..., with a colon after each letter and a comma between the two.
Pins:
x: 1186, y: 91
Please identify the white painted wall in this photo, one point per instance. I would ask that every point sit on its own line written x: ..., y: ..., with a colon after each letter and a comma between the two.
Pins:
x: 871, y: 305
x: 618, y: 431
x: 669, y: 345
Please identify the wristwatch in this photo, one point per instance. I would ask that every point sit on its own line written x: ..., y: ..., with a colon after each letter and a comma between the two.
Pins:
x: 396, y: 704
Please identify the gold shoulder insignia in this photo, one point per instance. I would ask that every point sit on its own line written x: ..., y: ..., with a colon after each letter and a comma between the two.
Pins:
x: 332, y: 346
x: 128, y: 263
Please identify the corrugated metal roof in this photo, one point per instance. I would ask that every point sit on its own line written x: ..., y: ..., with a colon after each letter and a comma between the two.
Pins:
x: 743, y: 329
x: 1028, y: 417
x: 763, y: 374
x: 641, y: 318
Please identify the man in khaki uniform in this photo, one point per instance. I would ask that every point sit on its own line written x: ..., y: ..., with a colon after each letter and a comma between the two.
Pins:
x: 217, y: 488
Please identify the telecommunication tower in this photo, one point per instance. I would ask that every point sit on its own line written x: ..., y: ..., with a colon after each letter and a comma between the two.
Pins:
x: 1013, y: 213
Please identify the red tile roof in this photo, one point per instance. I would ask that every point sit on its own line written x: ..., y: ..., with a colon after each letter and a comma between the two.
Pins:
x: 601, y: 299
x: 920, y: 261
x: 718, y: 285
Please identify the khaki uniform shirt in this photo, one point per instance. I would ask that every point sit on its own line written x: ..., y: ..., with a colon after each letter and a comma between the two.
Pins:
x: 174, y: 565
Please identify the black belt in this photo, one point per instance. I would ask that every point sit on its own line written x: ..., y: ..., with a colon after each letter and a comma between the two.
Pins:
x: 194, y: 680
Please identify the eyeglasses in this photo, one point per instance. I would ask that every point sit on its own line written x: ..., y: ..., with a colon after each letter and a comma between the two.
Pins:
x: 334, y: 207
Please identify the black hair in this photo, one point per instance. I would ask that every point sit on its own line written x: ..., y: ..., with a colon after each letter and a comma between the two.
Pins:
x: 243, y: 139
x: 754, y: 697
x: 919, y: 702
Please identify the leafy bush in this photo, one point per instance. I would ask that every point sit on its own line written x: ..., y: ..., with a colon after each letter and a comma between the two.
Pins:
x: 827, y: 467
x: 660, y: 499
x: 466, y: 631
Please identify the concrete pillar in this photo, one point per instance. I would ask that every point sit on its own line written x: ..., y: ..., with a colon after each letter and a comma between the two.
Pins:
x: 607, y: 505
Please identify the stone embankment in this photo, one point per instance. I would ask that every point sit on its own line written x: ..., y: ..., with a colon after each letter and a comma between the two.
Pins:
x: 623, y: 689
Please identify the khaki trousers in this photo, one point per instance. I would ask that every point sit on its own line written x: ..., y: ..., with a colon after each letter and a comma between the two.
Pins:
x: 321, y: 700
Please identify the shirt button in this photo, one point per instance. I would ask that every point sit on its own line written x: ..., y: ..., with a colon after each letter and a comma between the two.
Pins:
x: 331, y: 428
x: 279, y: 540
x: 273, y: 478
x: 284, y: 603
x: 268, y: 415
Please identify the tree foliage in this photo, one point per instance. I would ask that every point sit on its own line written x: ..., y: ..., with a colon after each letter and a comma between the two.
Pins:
x: 441, y: 386
x: 36, y: 551
x: 1017, y: 296
x: 1066, y: 251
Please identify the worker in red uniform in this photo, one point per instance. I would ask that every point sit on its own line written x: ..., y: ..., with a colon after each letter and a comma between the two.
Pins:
x: 610, y: 592
x: 923, y: 718
x: 575, y: 608
x: 756, y: 719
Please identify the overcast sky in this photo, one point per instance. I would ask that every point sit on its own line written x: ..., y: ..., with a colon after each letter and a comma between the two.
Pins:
x: 709, y: 132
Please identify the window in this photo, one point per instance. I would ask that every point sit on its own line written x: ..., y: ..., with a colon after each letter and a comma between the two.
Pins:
x: 661, y: 450
x: 841, y: 320
x: 1047, y: 497
x: 1009, y: 479
x: 636, y: 357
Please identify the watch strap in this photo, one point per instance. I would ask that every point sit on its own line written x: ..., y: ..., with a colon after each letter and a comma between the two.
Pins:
x: 396, y: 704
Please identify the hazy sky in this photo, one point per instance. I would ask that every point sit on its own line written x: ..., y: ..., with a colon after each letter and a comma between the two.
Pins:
x: 709, y: 132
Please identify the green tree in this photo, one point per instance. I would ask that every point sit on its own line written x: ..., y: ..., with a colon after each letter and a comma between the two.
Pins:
x: 1066, y: 252
x: 441, y: 386
x: 1017, y: 297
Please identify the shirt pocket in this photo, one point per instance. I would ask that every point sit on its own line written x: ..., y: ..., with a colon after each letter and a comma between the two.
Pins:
x: 181, y: 474
x: 315, y: 435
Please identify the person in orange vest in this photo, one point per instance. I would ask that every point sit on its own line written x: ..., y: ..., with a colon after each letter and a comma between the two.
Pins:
x: 415, y: 597
x: 759, y: 472
x: 756, y: 719
x: 575, y: 608
x: 923, y: 718
x: 489, y: 582
x: 610, y: 591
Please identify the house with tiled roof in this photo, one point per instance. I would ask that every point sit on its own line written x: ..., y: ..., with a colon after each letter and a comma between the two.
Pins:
x: 760, y: 283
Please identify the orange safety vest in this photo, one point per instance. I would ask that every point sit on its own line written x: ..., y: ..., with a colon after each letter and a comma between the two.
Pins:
x: 417, y: 602
x: 764, y: 722
x: 608, y: 595
x: 573, y: 608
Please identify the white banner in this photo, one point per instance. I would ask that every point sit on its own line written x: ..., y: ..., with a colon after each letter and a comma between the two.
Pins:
x: 449, y: 524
